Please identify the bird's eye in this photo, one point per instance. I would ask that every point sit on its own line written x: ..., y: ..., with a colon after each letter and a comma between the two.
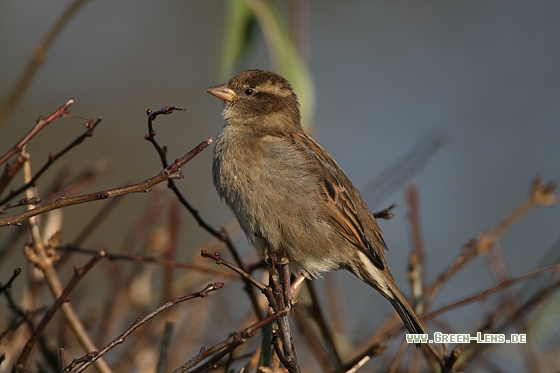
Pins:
x: 249, y: 91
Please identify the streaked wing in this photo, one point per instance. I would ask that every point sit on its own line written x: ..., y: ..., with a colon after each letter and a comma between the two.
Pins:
x: 342, y: 212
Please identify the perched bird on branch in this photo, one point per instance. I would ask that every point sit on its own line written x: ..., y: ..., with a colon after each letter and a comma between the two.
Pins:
x: 289, y: 194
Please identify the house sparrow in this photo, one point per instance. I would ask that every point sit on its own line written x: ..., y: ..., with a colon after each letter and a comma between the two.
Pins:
x: 289, y: 194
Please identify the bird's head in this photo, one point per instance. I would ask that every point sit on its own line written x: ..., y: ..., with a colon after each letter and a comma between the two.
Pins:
x: 260, y: 99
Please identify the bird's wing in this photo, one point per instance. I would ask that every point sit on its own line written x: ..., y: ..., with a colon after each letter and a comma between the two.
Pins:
x: 342, y: 212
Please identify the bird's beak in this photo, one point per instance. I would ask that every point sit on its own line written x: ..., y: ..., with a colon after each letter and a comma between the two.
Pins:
x: 223, y: 92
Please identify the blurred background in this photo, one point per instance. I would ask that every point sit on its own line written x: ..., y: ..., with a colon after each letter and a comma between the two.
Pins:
x: 376, y: 78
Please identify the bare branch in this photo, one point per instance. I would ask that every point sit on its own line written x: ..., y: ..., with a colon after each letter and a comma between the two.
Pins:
x: 90, y: 125
x: 355, y: 364
x: 41, y: 123
x: 219, y: 260
x: 148, y: 259
x: 541, y: 195
x: 164, y: 349
x: 8, y: 284
x: 88, y: 359
x: 492, y: 289
x: 386, y: 214
x: 170, y: 172
x: 227, y: 345
x: 21, y: 202
x: 10, y: 171
x: 79, y: 273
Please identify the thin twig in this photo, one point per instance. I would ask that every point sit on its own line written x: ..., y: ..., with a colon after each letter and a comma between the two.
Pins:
x: 219, y: 260
x: 229, y: 344
x: 21, y: 202
x: 21, y: 317
x: 93, y: 356
x: 10, y: 171
x: 8, y: 284
x: 386, y: 213
x: 318, y: 316
x: 398, y: 357
x: 435, y: 355
x: 530, y: 304
x: 95, y: 221
x: 220, y: 234
x: 90, y: 125
x: 164, y: 348
x: 41, y: 123
x: 481, y: 295
x: 224, y: 237
x: 452, y: 358
x: 276, y: 297
x: 148, y: 259
x: 359, y: 361
x: 170, y: 172
x: 38, y: 254
x: 541, y: 195
x: 79, y: 273
x: 62, y: 355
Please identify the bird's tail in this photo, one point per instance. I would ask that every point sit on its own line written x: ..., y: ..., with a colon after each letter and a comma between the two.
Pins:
x: 406, y: 313
x: 383, y: 282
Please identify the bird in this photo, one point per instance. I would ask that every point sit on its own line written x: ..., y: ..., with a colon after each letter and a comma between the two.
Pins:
x: 288, y: 193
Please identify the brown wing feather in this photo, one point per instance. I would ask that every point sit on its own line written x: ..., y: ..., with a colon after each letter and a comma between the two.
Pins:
x: 343, y: 215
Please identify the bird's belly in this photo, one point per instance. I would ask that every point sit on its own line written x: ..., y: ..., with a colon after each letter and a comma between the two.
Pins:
x: 284, y: 218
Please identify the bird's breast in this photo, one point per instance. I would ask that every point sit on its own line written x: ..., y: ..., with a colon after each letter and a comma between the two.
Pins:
x: 267, y: 184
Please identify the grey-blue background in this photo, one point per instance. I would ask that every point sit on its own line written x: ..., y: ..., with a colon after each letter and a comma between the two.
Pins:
x: 486, y: 74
